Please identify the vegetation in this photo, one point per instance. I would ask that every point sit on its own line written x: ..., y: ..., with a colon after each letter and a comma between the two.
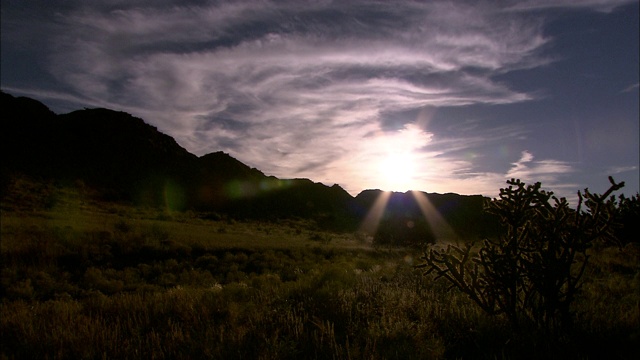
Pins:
x: 85, y: 279
x: 533, y: 271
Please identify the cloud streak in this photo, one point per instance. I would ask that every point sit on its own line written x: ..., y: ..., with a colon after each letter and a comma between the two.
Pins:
x: 302, y: 89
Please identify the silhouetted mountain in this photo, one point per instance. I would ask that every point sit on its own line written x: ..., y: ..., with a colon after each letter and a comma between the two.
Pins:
x: 26, y: 128
x: 113, y: 151
x: 221, y: 180
x: 126, y: 159
x: 225, y: 167
x: 413, y: 217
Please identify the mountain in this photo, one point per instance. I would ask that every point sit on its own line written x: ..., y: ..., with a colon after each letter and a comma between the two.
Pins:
x: 227, y: 184
x: 126, y: 159
x: 26, y: 125
x: 117, y: 153
x: 412, y: 217
x: 129, y: 160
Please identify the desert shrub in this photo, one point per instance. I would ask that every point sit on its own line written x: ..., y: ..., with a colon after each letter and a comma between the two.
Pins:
x: 533, y: 270
x: 158, y: 233
x: 106, y: 281
x: 403, y: 231
x: 123, y: 226
x: 207, y: 261
x: 322, y: 238
x: 629, y: 219
x: 120, y: 291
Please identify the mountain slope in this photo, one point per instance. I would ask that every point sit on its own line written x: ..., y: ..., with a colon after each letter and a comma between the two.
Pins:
x: 413, y: 217
x: 120, y: 154
x: 126, y: 159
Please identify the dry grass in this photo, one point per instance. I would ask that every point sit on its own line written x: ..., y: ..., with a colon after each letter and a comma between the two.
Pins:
x: 111, y: 281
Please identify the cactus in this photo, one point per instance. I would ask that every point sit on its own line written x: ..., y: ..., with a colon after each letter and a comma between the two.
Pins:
x: 533, y: 270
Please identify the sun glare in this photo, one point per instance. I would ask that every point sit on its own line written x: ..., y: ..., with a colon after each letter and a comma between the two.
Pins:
x: 395, y: 160
x: 397, y: 171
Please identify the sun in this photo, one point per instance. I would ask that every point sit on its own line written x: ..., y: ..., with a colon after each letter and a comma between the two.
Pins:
x: 397, y: 171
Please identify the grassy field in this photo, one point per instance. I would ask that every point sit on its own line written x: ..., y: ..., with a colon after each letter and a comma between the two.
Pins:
x: 83, y: 280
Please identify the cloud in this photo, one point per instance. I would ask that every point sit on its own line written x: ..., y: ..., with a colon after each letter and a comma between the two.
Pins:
x: 527, y: 169
x: 553, y: 174
x: 598, y: 5
x: 620, y: 169
x: 304, y: 88
x: 270, y: 63
x: 631, y: 88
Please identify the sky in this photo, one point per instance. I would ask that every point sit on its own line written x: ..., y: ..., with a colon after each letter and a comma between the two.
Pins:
x: 436, y: 96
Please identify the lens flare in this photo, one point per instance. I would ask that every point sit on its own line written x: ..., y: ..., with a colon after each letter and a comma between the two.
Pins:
x: 439, y: 226
x: 174, y: 196
x: 372, y: 220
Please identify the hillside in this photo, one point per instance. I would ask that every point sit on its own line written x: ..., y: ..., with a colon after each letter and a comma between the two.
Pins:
x: 125, y: 159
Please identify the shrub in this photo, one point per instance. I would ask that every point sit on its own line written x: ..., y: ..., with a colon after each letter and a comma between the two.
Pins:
x: 322, y: 238
x: 403, y: 231
x: 533, y: 270
x: 629, y: 217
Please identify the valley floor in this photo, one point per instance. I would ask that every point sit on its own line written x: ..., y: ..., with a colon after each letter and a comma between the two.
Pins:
x: 82, y: 279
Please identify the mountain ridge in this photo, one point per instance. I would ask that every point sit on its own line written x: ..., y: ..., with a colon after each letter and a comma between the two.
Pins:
x: 128, y: 159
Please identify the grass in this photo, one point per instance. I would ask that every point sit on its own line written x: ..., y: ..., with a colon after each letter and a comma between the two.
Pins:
x: 83, y: 279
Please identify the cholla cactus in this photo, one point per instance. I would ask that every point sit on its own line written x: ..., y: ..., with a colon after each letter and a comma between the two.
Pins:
x: 533, y: 270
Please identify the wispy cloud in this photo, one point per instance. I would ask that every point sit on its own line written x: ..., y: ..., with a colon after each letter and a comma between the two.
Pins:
x: 632, y: 87
x: 291, y: 67
x: 302, y: 88
x: 553, y: 174
x: 599, y: 5
x: 530, y: 170
x: 620, y: 169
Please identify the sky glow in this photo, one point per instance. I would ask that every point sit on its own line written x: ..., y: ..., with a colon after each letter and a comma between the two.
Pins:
x: 436, y: 96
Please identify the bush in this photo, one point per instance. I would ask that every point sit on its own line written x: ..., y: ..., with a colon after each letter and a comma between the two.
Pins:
x: 629, y: 218
x: 404, y: 231
x: 532, y: 272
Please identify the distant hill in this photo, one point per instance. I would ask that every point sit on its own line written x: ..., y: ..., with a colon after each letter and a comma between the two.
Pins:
x: 117, y: 153
x: 126, y: 159
x: 412, y: 217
